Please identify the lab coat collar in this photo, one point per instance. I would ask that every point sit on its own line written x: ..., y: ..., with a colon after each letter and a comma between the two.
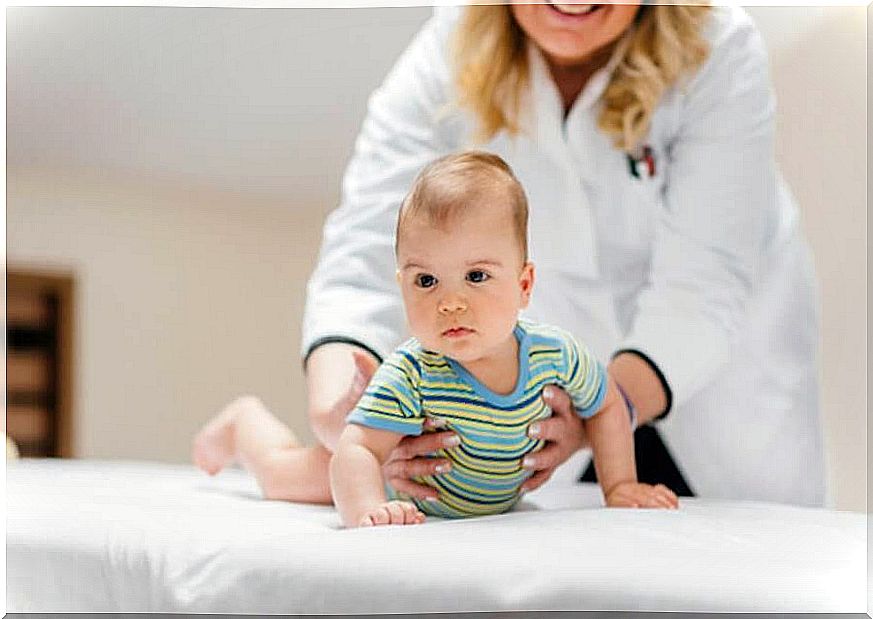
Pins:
x: 546, y: 91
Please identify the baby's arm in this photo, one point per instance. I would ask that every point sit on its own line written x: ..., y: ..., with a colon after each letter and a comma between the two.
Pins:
x: 612, y: 442
x: 356, y: 479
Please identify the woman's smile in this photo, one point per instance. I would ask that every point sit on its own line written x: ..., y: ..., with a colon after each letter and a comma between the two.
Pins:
x: 577, y: 11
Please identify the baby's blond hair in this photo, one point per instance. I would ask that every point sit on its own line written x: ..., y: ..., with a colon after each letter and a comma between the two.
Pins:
x: 448, y: 186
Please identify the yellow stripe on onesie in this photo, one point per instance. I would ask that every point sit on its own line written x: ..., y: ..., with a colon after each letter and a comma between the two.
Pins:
x: 414, y: 384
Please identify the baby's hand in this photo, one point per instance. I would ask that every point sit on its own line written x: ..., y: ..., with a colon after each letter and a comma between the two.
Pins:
x: 632, y: 494
x: 392, y: 512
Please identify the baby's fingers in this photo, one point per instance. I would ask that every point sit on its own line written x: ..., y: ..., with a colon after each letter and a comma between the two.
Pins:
x: 672, y: 501
x: 621, y: 499
x: 656, y: 497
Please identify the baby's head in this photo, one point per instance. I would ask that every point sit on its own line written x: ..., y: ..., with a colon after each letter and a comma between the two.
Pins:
x: 461, y: 249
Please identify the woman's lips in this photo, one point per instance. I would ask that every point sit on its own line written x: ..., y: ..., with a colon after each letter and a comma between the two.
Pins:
x: 577, y: 11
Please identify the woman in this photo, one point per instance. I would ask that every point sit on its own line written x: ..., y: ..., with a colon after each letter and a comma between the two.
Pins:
x: 662, y: 233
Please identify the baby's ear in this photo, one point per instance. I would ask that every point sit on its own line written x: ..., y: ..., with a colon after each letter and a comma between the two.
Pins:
x: 526, y: 282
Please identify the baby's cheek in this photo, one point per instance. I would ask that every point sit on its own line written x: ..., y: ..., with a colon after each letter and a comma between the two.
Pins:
x: 418, y: 326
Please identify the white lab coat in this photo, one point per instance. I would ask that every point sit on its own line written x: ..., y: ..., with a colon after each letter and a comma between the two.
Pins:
x: 701, y: 266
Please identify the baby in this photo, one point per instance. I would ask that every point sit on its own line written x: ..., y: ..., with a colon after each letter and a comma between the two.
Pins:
x: 472, y: 366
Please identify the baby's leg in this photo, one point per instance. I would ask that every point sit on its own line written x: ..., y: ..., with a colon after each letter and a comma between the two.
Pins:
x: 246, y: 432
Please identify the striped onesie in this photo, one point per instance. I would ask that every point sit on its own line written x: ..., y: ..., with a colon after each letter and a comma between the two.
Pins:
x: 413, y: 384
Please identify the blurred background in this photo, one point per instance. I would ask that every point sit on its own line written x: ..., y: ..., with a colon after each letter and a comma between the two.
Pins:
x: 169, y: 170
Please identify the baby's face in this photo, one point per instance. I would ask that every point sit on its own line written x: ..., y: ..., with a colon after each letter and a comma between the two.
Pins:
x: 463, y: 284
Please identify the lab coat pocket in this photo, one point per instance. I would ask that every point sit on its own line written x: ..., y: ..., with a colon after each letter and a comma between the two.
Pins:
x: 643, y: 204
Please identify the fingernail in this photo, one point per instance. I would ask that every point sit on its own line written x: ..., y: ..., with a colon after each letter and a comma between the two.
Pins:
x: 534, y: 430
x: 442, y: 468
x: 452, y: 441
x: 438, y: 423
x: 528, y: 462
x: 431, y: 499
x: 548, y: 393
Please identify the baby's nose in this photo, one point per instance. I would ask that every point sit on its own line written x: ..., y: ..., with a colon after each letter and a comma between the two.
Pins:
x: 450, y: 306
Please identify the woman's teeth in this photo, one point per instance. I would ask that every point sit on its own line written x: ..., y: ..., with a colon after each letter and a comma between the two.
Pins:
x: 575, y: 9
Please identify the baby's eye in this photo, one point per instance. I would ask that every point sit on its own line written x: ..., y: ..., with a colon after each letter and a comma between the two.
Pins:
x: 425, y: 280
x: 477, y: 277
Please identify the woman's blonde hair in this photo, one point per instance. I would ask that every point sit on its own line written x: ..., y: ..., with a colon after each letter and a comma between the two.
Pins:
x: 664, y: 43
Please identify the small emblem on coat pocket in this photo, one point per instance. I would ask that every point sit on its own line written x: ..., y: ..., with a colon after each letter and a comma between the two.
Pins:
x: 643, y: 166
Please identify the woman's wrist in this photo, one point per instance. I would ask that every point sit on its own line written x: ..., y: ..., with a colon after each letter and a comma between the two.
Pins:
x: 642, y: 386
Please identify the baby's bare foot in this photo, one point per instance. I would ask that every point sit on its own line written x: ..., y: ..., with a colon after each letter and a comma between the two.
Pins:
x: 213, y: 448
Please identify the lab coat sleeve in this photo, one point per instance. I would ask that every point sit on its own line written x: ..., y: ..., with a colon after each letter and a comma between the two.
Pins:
x: 720, y: 202
x: 352, y: 293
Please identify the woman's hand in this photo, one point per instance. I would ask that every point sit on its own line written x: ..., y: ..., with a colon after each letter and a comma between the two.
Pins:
x: 564, y: 433
x: 407, y: 461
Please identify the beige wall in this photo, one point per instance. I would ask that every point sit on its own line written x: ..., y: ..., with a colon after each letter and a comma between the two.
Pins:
x: 189, y: 295
x: 185, y: 298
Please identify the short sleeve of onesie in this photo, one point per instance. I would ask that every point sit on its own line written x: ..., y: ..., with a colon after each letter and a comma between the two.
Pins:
x: 392, y: 401
x: 583, y: 376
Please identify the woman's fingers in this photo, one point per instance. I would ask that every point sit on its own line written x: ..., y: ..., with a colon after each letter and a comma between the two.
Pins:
x: 558, y: 400
x: 537, y: 479
x: 564, y: 427
x: 558, y: 430
x: 417, y: 467
x: 410, y: 488
x: 548, y: 457
x: 414, y: 446
x: 548, y: 429
x: 563, y: 434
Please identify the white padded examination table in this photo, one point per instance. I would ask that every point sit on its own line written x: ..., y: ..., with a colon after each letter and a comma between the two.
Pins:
x: 146, y: 537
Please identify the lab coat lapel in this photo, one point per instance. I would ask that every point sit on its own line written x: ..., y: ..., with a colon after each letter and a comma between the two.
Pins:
x: 563, y: 233
x: 563, y: 244
x: 564, y: 239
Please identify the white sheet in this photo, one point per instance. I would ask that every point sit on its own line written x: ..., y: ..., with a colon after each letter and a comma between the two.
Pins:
x: 137, y: 537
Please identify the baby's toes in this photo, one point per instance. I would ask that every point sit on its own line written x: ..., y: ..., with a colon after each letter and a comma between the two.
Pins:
x: 411, y: 515
x: 381, y: 515
x: 395, y: 512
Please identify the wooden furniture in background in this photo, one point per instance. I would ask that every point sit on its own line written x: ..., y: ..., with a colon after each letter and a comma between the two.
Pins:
x: 39, y: 347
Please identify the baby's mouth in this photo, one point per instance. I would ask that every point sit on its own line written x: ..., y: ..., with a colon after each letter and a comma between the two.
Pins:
x: 457, y: 332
